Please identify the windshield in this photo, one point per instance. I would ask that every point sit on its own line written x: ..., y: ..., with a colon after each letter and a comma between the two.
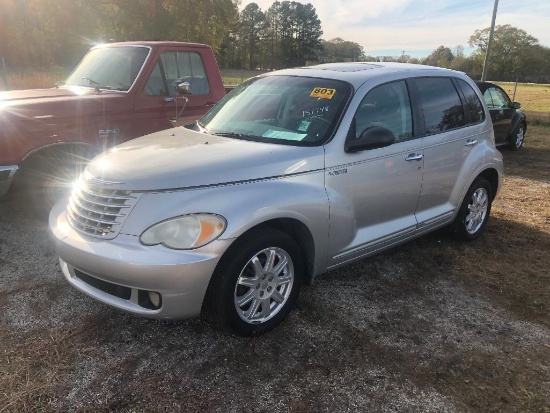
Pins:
x: 114, y: 68
x: 293, y: 110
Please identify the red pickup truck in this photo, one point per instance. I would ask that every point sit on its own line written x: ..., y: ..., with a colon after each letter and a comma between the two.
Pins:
x: 119, y: 91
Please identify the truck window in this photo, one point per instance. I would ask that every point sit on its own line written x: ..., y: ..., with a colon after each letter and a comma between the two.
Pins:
x: 175, y: 66
x: 109, y: 67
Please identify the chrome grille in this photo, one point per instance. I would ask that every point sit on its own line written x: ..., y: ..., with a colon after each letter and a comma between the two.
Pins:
x: 100, y: 211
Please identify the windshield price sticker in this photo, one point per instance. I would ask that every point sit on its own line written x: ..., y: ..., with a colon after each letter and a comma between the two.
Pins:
x: 323, y: 93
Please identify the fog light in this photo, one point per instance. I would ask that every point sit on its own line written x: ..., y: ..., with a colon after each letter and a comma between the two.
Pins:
x: 154, y: 298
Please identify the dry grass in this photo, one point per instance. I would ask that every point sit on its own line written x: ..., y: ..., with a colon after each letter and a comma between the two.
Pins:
x: 33, y: 79
x: 236, y: 76
x: 433, y: 325
x: 33, y: 365
x: 47, y: 79
x: 533, y: 97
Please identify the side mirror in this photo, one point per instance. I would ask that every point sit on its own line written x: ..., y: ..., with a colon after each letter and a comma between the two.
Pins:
x: 516, y: 105
x: 373, y: 137
x: 183, y: 88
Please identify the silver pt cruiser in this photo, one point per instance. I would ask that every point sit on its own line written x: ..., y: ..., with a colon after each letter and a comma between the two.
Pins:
x: 291, y: 175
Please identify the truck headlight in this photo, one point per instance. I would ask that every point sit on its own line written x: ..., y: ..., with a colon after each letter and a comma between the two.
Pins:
x: 185, y: 232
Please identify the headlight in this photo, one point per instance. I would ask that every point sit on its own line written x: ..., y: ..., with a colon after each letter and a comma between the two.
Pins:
x: 185, y: 232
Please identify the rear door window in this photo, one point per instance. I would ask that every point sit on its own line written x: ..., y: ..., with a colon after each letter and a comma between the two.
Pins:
x: 441, y: 104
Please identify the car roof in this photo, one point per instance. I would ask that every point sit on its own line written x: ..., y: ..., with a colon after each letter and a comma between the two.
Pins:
x: 483, y: 86
x: 358, y: 73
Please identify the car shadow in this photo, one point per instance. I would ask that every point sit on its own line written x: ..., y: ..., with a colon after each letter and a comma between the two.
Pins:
x: 528, y: 163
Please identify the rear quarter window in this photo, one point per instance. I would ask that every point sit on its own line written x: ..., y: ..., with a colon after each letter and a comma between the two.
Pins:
x: 473, y: 104
x: 441, y: 104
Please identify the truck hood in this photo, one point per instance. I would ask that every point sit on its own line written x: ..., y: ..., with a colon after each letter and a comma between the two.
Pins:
x: 53, y: 105
x: 180, y: 158
x: 22, y: 96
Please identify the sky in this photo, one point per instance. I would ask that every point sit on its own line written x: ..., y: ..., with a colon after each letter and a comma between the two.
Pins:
x: 387, y: 27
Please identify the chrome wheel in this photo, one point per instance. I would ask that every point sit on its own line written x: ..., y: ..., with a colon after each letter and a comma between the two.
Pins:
x: 519, y: 137
x: 477, y: 211
x: 264, y: 285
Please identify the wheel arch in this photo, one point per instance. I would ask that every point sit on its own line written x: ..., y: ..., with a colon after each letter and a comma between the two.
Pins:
x: 298, y: 231
x: 517, y: 119
x: 294, y: 228
x: 38, y: 159
x: 491, y: 175
x: 60, y: 147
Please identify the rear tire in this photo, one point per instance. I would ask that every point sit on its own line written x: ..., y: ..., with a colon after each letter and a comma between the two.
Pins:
x: 474, y: 211
x: 257, y: 282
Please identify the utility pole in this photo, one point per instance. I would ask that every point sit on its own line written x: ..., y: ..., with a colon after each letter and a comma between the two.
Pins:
x: 489, y: 44
x: 403, y: 57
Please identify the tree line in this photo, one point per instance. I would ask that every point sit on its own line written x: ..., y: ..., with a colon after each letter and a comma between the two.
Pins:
x: 515, y: 54
x: 44, y: 33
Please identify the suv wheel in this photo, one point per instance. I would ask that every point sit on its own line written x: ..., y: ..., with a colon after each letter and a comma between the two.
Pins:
x: 257, y: 282
x: 474, y: 211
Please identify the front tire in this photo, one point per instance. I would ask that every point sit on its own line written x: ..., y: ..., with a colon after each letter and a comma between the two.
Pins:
x: 516, y: 140
x: 50, y: 176
x: 257, y: 282
x: 474, y: 211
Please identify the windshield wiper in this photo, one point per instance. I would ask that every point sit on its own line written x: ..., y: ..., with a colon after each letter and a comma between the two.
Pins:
x: 92, y: 83
x: 236, y: 135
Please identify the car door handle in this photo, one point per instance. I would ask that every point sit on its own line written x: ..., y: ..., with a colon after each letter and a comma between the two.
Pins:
x: 167, y: 100
x: 209, y: 104
x: 414, y: 157
x: 470, y: 142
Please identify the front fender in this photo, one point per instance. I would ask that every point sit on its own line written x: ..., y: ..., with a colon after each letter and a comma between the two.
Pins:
x: 300, y: 197
x: 519, y: 117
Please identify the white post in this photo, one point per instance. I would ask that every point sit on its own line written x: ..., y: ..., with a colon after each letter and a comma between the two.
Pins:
x: 489, y: 44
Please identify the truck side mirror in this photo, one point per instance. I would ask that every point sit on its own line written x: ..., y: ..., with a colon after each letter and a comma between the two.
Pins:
x: 516, y: 105
x: 183, y: 88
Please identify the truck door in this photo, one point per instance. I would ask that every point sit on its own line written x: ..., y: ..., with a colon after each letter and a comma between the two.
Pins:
x: 157, y: 102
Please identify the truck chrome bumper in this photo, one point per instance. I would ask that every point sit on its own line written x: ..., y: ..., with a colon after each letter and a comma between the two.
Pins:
x: 7, y: 174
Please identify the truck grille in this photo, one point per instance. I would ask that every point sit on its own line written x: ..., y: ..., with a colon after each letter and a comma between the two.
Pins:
x: 100, y: 212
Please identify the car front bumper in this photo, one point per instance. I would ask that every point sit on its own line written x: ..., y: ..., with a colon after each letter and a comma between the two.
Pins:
x: 121, y: 272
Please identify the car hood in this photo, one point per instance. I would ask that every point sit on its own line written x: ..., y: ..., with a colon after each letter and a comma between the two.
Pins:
x: 180, y: 158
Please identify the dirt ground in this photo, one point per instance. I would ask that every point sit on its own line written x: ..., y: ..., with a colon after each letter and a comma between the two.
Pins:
x: 432, y: 326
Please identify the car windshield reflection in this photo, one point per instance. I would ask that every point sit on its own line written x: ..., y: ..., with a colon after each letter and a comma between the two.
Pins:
x: 280, y: 109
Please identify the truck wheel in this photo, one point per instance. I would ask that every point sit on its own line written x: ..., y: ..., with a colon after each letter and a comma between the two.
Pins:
x: 474, y: 211
x: 257, y: 282
x: 49, y: 177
